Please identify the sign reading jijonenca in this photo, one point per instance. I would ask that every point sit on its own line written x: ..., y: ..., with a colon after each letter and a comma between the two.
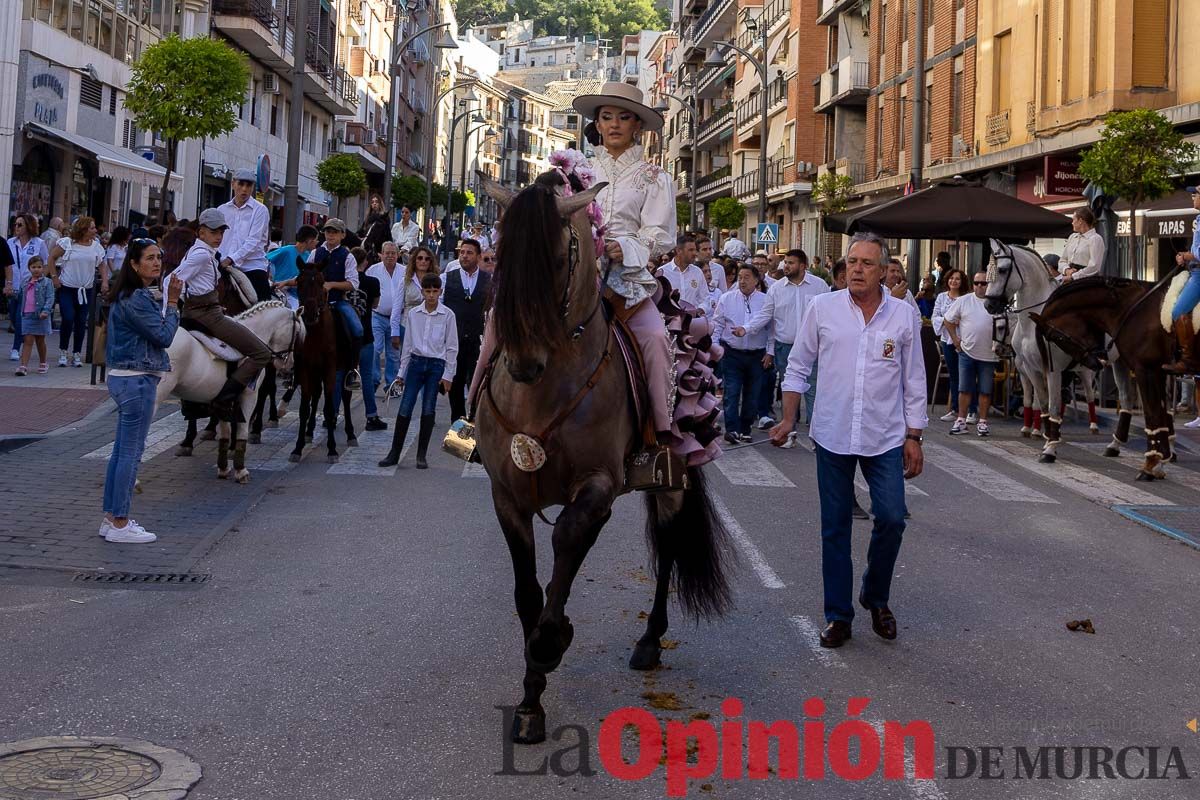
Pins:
x: 1062, y: 176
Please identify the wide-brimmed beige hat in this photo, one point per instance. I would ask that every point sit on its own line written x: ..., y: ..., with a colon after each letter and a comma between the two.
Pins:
x: 621, y: 95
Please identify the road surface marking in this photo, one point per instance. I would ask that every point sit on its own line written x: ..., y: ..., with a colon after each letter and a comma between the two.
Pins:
x: 474, y: 470
x: 812, y: 637
x: 910, y: 488
x: 1175, y: 474
x: 749, y: 549
x: 982, y: 477
x: 920, y: 788
x: 162, y: 436
x: 372, y: 447
x: 748, y: 467
x: 1093, y: 485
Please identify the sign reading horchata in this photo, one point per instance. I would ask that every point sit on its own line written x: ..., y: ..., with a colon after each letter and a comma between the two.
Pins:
x: 1062, y: 176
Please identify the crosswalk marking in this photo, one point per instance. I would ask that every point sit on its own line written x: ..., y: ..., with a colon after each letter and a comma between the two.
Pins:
x: 372, y: 447
x: 474, y: 470
x: 981, y: 476
x: 910, y: 488
x: 164, y: 434
x: 748, y: 467
x: 1132, y: 456
x: 1093, y: 485
x: 812, y: 637
x: 758, y: 562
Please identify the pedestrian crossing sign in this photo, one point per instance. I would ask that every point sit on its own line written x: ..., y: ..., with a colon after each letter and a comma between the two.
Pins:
x: 768, y: 233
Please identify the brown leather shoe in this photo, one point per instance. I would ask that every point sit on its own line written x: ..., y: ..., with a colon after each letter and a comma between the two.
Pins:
x: 835, y: 634
x: 883, y: 621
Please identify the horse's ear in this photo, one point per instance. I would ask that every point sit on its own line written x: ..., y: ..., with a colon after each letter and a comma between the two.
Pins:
x: 568, y: 206
x: 494, y: 190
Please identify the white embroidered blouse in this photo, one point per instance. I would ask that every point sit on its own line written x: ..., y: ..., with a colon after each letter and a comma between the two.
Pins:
x: 639, y: 214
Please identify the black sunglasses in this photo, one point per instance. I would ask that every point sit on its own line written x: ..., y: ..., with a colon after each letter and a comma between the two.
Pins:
x: 981, y: 283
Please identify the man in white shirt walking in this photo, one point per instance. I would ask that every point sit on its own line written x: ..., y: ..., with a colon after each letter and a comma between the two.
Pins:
x: 969, y: 324
x: 406, y: 233
x: 785, y: 307
x: 736, y: 248
x: 245, y: 244
x: 704, y: 257
x: 391, y: 290
x: 870, y: 412
x: 745, y: 361
x: 684, y: 276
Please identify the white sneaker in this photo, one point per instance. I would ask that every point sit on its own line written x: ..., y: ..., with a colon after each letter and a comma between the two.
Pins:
x: 78, y: 360
x: 959, y: 426
x: 949, y: 416
x: 15, y: 355
x: 765, y: 423
x: 62, y: 359
x: 132, y: 533
x: 982, y: 428
x: 972, y: 419
x: 1193, y: 424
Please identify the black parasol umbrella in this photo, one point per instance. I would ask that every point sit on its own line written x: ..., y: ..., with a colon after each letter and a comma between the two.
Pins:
x: 954, y: 209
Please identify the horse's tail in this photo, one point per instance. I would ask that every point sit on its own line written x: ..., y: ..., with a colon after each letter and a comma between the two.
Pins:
x: 697, y: 543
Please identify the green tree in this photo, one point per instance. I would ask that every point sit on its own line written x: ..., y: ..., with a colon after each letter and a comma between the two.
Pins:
x: 458, y: 202
x: 725, y: 212
x: 342, y: 176
x: 683, y: 213
x: 479, y: 12
x: 1138, y: 156
x: 438, y: 196
x: 186, y: 89
x: 832, y: 194
x: 408, y: 190
x: 592, y: 18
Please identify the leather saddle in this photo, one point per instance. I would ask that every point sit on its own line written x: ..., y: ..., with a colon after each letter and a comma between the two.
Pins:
x: 219, y: 350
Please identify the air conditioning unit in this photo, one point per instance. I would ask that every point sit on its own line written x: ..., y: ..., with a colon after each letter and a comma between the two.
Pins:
x: 270, y: 83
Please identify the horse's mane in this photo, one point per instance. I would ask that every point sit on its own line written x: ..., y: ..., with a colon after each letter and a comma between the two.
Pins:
x: 524, y: 305
x: 259, y: 307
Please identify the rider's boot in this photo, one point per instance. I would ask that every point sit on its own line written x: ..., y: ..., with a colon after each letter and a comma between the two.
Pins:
x: 423, y: 437
x: 1185, y: 332
x: 224, y: 405
x: 393, y: 456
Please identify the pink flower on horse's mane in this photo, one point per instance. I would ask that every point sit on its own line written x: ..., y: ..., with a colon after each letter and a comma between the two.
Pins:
x: 572, y: 162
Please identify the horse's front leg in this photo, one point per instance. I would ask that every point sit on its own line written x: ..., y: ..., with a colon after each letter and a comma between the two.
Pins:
x: 302, y: 428
x: 331, y: 411
x: 1052, y: 417
x: 1151, y: 387
x: 210, y: 430
x: 351, y: 439
x: 223, y: 441
x: 256, y: 415
x: 529, y: 721
x: 189, y: 440
x: 648, y: 650
x: 574, y: 534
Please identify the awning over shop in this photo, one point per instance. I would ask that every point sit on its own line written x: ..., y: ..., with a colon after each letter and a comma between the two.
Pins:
x: 115, y: 163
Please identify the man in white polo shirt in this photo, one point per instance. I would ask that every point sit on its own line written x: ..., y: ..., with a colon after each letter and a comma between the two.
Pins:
x: 870, y: 412
x: 390, y: 275
x: 245, y: 243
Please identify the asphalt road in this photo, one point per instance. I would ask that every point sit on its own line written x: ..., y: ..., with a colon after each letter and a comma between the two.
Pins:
x: 358, y: 633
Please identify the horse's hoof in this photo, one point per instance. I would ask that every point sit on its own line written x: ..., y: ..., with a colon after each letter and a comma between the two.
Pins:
x: 183, y: 452
x: 645, y: 657
x: 332, y: 458
x: 272, y: 423
x: 529, y: 726
x: 222, y: 474
x: 207, y: 435
x: 1144, y: 476
x: 1047, y: 458
x: 352, y: 443
x: 1111, y: 452
x: 1174, y: 457
x: 1094, y: 428
x: 254, y: 438
x: 294, y: 458
x: 1026, y: 433
x: 243, y: 476
x: 1161, y: 474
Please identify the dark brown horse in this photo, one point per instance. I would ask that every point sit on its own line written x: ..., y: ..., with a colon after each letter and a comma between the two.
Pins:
x: 1080, y: 314
x: 316, y: 365
x: 558, y: 384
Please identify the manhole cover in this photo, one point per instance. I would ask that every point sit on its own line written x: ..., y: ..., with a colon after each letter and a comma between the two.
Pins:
x: 76, y: 768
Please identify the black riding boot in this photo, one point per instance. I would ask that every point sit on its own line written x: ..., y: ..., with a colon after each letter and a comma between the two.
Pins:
x: 393, y: 456
x: 423, y: 438
x: 224, y: 405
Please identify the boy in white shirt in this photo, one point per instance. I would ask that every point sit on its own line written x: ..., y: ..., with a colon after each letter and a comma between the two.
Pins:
x: 427, y: 365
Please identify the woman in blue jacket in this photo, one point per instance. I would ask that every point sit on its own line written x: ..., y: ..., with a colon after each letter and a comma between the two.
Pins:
x: 139, y: 333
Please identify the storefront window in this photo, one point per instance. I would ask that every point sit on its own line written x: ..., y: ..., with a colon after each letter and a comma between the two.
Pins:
x: 121, y: 31
x: 81, y: 188
x: 106, y: 30
x: 77, y: 19
x: 60, y: 13
x: 93, y: 24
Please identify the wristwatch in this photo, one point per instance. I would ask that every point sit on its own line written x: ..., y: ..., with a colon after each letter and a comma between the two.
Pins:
x: 916, y: 437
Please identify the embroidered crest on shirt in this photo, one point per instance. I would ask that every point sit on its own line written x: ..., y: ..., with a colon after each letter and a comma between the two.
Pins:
x: 889, y: 349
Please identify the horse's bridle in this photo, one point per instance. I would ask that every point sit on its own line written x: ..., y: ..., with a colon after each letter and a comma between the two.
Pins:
x: 564, y: 306
x: 289, y: 355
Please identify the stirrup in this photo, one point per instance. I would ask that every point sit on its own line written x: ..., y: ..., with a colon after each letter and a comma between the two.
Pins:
x: 460, y: 442
x: 656, y: 469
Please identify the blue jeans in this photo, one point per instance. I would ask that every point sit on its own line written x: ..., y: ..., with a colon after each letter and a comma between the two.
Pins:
x: 74, y: 318
x: 134, y: 397
x: 884, y: 474
x: 368, y: 369
x: 14, y: 316
x: 783, y: 352
x: 977, y: 377
x: 950, y: 355
x: 743, y: 374
x: 423, y: 376
x: 350, y: 316
x: 1189, y: 297
x: 381, y: 329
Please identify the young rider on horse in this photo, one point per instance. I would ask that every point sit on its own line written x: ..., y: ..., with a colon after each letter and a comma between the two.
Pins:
x: 638, y: 207
x: 341, y: 276
x: 1181, y: 312
x: 200, y: 271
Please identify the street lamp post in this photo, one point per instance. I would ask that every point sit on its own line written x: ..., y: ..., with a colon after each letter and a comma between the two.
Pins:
x: 450, y: 161
x: 694, y: 112
x: 462, y: 180
x: 716, y: 58
x: 428, y: 238
x: 446, y: 42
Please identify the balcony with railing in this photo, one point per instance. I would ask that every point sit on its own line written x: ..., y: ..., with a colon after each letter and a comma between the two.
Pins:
x: 829, y: 9
x: 711, y: 128
x: 777, y: 172
x: 356, y: 9
x: 847, y: 83
x: 746, y: 185
x: 715, y: 184
x: 715, y: 23
x: 997, y: 129
x: 777, y: 96
x: 749, y: 114
x: 712, y: 80
x: 777, y: 11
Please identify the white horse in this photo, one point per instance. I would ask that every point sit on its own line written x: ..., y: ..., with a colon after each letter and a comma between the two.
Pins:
x: 198, y: 375
x: 1022, y: 277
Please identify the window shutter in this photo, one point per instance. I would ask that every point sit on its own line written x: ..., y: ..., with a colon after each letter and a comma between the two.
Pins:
x: 1150, y: 47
